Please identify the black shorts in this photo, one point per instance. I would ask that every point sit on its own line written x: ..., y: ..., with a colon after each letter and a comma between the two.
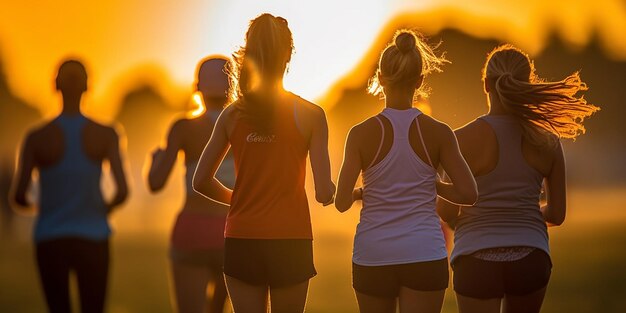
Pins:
x: 270, y: 262
x: 481, y: 279
x: 385, y: 281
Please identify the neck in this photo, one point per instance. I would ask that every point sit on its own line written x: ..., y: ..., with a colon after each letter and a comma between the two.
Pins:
x: 274, y: 87
x: 399, y: 101
x: 71, y: 104
x: 495, y: 106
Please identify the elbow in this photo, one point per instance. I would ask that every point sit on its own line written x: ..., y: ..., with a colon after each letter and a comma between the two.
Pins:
x: 123, y: 195
x: 197, y: 186
x: 343, y: 203
x: 469, y: 197
x: 324, y: 196
x: 20, y: 201
x: 556, y: 221
x: 156, y: 181
x: 342, y: 206
x: 153, y: 185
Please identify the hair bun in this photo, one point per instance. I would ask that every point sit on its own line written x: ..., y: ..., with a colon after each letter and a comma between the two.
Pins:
x: 406, y: 41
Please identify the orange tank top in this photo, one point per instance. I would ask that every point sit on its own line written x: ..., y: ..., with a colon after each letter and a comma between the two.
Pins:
x: 269, y: 201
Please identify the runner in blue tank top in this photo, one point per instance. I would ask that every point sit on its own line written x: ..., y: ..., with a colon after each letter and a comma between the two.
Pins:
x: 501, y: 256
x: 400, y: 255
x: 72, y: 231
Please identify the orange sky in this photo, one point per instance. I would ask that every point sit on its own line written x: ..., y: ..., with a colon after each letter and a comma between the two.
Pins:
x: 161, y: 41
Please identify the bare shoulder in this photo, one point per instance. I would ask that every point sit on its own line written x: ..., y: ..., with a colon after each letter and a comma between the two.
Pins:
x: 474, y: 129
x: 40, y: 131
x: 99, y: 132
x: 433, y: 125
x: 180, y: 126
x: 309, y: 108
x: 366, y: 129
x: 230, y: 111
x: 42, y: 134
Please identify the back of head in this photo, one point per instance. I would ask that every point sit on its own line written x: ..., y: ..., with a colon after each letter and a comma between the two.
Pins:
x: 261, y: 63
x: 212, y: 79
x: 71, y: 77
x: 546, y: 110
x: 404, y: 62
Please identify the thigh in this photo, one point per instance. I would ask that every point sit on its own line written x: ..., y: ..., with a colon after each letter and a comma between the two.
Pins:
x: 288, y: 262
x: 246, y: 298
x: 375, y: 281
x: 474, y: 305
x: 373, y: 304
x: 421, y: 301
x: 479, y: 279
x: 54, y: 271
x: 90, y: 261
x: 529, y: 303
x: 424, y: 276
x: 290, y: 299
x: 190, y: 285
x: 528, y: 274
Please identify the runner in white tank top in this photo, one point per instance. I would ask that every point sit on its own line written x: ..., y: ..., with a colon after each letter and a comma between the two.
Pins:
x: 399, y: 250
x: 398, y: 222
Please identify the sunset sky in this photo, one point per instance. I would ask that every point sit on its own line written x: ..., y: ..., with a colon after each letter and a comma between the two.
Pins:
x: 161, y: 41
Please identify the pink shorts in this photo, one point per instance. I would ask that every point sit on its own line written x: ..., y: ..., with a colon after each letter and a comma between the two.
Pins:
x: 198, y: 231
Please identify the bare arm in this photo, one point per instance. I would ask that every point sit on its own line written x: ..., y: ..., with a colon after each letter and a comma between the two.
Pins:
x: 320, y: 161
x: 350, y: 170
x: 462, y: 190
x: 204, y: 181
x: 446, y: 210
x: 117, y: 169
x: 163, y: 160
x: 554, y: 210
x: 25, y: 167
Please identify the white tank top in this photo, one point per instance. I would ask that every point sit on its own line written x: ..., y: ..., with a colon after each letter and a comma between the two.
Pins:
x: 398, y: 223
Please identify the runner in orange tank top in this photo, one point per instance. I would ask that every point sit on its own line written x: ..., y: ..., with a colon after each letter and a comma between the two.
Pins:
x: 268, y: 246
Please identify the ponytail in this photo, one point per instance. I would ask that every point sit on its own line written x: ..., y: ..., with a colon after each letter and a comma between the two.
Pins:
x: 547, y: 111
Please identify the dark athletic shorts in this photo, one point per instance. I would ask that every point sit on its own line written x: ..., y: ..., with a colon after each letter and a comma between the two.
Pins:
x: 270, y: 262
x: 385, y: 281
x: 481, y: 279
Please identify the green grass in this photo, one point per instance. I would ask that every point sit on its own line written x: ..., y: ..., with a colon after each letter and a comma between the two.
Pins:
x: 588, y: 253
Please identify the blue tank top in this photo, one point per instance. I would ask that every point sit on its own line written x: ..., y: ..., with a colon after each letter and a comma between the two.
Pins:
x: 71, y: 203
x: 398, y: 223
x: 507, y: 211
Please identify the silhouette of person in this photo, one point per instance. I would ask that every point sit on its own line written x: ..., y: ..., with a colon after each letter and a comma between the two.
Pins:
x: 197, y: 242
x: 501, y: 249
x: 400, y: 254
x: 72, y: 232
x: 268, y: 246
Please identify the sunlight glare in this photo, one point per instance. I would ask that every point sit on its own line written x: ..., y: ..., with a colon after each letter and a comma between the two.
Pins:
x: 197, y: 101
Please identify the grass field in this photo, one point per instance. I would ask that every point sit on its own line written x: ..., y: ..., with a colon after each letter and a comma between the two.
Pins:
x: 588, y: 252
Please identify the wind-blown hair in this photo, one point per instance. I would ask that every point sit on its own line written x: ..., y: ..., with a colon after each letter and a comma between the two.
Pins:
x: 263, y: 58
x: 404, y: 61
x: 547, y: 111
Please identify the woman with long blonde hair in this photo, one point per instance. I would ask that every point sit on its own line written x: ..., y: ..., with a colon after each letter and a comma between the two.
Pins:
x: 268, y: 247
x: 501, y: 256
x: 400, y: 256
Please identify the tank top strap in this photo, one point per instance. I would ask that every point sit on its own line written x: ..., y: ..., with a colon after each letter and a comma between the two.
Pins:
x: 401, y: 121
x: 419, y: 132
x: 380, y: 144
